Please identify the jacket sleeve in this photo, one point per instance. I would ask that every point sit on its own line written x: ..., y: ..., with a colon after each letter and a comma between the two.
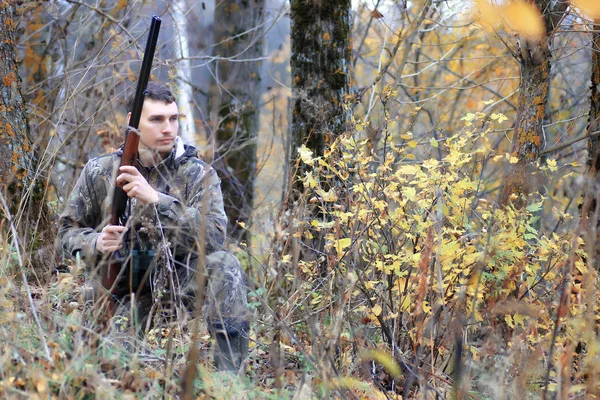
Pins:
x: 78, y: 223
x: 204, y: 211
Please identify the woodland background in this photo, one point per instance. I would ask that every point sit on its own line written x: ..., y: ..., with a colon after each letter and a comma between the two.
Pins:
x: 412, y: 187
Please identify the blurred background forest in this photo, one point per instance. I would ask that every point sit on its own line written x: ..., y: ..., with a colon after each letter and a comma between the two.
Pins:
x: 412, y: 187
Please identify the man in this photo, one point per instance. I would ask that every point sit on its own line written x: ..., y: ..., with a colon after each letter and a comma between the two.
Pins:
x: 174, y: 201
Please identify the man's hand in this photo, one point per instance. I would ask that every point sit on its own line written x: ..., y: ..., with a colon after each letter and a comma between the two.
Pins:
x: 135, y: 185
x: 110, y: 239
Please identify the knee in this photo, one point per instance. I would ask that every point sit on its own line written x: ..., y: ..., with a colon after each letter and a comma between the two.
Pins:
x: 223, y: 261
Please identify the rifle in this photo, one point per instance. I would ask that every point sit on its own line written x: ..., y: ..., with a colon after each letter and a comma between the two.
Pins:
x: 129, y: 157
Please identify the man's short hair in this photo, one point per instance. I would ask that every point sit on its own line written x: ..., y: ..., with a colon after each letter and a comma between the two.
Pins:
x: 154, y: 91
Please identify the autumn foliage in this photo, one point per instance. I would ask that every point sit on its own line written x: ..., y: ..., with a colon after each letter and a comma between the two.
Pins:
x: 437, y: 240
x: 420, y: 250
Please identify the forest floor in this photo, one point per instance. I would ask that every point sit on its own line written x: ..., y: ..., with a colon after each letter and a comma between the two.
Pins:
x: 48, y: 351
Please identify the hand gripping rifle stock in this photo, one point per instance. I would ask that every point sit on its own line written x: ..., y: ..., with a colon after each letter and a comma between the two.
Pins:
x: 129, y: 157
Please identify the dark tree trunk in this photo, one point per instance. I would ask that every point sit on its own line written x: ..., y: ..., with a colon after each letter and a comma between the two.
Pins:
x: 320, y: 61
x: 593, y: 160
x: 239, y: 35
x: 528, y: 136
x: 22, y: 186
x: 590, y: 211
x: 528, y: 140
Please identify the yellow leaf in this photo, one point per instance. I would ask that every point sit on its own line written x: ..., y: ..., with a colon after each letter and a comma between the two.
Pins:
x: 431, y: 163
x: 509, y: 321
x: 409, y: 193
x: 588, y: 7
x: 412, y: 144
x: 519, y: 320
x: 387, y: 361
x: 343, y: 382
x: 577, y: 388
x: 499, y: 117
x: 41, y: 385
x: 405, y: 306
x: 408, y: 169
x: 377, y: 310
x: 552, y: 164
x: 426, y: 308
x: 310, y: 180
x: 513, y: 160
x: 525, y: 19
x: 306, y: 155
x: 341, y: 244
x: 469, y: 118
x: 433, y: 142
x: 322, y: 224
x: 328, y: 196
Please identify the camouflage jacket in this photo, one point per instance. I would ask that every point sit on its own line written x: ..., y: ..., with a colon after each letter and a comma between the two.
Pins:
x: 182, y: 181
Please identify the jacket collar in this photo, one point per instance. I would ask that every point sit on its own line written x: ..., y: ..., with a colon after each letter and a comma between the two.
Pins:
x: 178, y: 154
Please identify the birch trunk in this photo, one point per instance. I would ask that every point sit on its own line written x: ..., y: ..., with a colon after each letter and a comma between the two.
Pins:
x: 183, y: 72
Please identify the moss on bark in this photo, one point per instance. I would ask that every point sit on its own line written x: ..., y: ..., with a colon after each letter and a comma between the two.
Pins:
x: 320, y: 65
x: 20, y: 183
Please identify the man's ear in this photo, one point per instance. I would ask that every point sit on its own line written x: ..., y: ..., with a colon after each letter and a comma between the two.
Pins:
x: 128, y: 117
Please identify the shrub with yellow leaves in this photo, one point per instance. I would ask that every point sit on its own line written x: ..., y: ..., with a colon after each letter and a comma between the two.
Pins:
x: 425, y: 256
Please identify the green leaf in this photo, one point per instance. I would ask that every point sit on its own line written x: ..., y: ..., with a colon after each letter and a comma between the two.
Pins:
x: 534, y: 207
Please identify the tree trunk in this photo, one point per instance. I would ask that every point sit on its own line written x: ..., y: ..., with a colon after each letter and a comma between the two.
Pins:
x: 238, y: 35
x: 20, y: 181
x: 320, y: 61
x: 590, y: 212
x: 183, y: 72
x: 593, y: 160
x: 528, y: 140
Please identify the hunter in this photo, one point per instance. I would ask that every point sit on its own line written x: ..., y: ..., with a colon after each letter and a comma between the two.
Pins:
x: 174, y: 200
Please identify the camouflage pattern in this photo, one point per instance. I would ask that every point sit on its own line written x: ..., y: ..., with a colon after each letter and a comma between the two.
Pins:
x: 166, y: 234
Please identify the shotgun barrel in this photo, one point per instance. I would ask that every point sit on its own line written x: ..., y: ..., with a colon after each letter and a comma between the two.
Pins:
x: 130, y: 154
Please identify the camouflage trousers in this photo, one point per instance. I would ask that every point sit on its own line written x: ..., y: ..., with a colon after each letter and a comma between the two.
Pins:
x: 225, y: 307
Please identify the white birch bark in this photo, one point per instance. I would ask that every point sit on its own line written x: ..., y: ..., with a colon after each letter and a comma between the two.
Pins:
x: 187, y: 127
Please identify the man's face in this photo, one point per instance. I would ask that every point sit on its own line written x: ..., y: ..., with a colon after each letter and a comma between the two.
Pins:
x: 158, y: 126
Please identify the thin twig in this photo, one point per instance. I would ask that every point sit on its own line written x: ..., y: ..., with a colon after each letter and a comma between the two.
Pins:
x: 567, y: 144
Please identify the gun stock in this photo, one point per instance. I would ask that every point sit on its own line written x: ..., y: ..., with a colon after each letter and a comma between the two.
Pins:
x: 129, y: 157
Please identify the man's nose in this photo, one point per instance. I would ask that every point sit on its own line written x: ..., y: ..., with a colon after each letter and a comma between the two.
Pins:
x: 167, y: 128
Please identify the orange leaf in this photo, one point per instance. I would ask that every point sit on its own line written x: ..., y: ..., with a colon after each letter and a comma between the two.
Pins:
x: 588, y: 7
x: 376, y: 14
x: 489, y: 15
x: 519, y: 16
x: 525, y: 19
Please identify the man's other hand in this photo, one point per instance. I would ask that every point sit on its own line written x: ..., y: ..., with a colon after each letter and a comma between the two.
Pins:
x: 135, y: 185
x: 110, y: 239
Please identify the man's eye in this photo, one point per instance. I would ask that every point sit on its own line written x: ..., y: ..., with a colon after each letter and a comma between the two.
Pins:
x: 174, y: 118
